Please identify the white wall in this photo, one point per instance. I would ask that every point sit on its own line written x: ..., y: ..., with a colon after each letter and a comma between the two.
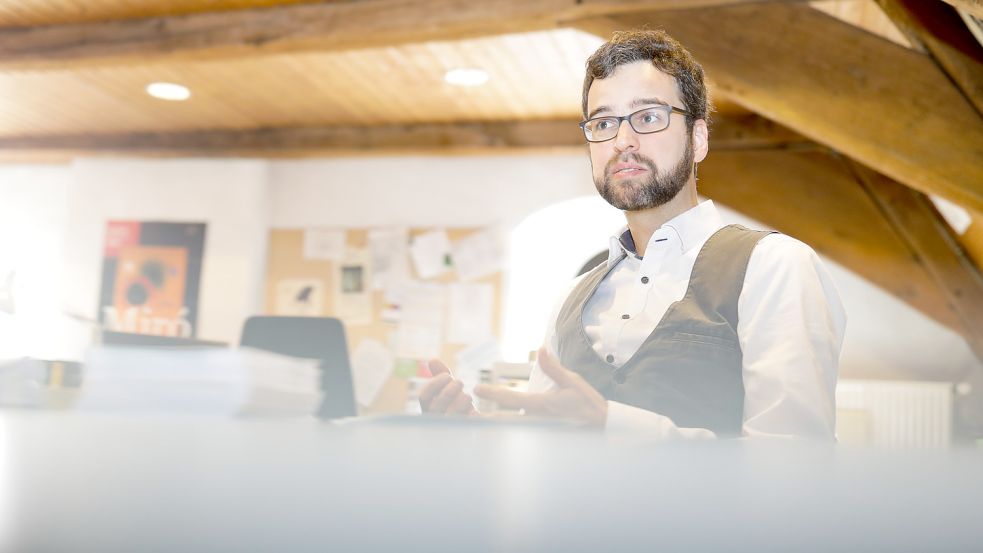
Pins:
x: 241, y: 200
x: 33, y: 207
x: 229, y: 195
x: 423, y: 191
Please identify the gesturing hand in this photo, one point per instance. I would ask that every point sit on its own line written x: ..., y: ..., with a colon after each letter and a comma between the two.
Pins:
x: 572, y: 399
x: 444, y: 395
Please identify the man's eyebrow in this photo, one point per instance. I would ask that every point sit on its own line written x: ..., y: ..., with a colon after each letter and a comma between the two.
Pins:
x: 636, y: 103
x: 639, y: 102
x: 597, y: 110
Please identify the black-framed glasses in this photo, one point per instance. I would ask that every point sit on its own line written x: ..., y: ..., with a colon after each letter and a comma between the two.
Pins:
x: 644, y: 121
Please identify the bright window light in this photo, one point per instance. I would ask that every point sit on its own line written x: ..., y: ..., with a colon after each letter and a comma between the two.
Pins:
x: 547, y: 249
x: 466, y: 76
x: 169, y: 91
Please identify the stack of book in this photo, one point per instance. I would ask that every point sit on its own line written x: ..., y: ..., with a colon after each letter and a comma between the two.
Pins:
x: 198, y: 381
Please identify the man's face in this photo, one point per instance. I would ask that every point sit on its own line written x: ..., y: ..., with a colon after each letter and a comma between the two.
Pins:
x: 638, y: 171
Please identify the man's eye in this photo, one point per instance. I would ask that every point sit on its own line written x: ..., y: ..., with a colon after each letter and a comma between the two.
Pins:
x: 603, y: 124
x: 652, y: 117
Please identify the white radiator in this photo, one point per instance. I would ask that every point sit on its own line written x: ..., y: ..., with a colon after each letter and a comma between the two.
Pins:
x: 894, y: 414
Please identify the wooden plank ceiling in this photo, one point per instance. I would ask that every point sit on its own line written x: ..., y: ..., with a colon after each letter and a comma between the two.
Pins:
x: 532, y: 76
x: 31, y: 13
x: 834, y: 119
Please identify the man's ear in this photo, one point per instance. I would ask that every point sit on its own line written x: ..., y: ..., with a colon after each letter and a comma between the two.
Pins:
x: 701, y: 140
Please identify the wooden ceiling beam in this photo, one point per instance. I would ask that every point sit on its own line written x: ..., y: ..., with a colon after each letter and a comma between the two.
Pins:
x: 814, y: 196
x: 972, y: 239
x: 730, y: 132
x: 936, y: 247
x: 881, y: 104
x: 943, y: 34
x: 299, y: 27
x: 973, y: 7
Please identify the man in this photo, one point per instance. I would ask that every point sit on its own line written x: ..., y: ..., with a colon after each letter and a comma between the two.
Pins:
x: 692, y: 328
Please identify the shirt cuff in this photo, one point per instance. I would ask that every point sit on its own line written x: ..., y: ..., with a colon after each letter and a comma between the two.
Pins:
x: 626, y: 418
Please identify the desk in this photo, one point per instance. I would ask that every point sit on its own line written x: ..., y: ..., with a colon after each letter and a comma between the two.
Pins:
x: 104, y: 483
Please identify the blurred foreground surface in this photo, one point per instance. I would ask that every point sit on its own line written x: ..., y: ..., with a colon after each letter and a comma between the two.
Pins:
x: 104, y: 482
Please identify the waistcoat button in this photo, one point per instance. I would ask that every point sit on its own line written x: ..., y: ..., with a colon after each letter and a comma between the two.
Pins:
x: 610, y: 358
x: 619, y: 377
x: 645, y: 280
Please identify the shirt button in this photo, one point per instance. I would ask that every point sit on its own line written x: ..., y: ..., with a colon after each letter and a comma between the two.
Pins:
x: 645, y: 280
x: 626, y: 316
x: 610, y: 358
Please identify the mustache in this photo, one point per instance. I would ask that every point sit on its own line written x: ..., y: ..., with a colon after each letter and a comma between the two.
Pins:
x: 630, y: 158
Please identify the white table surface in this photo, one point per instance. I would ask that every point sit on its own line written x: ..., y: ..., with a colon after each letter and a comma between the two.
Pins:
x: 86, y: 482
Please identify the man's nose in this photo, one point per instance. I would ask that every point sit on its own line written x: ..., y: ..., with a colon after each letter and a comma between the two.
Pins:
x: 627, y: 138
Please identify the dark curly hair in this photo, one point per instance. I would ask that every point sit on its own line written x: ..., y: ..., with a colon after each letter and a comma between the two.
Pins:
x: 666, y: 54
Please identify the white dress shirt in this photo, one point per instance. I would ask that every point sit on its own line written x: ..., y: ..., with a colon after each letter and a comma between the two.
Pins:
x: 790, y: 327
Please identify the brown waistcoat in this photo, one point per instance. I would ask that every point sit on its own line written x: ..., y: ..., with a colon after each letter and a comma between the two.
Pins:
x: 689, y: 367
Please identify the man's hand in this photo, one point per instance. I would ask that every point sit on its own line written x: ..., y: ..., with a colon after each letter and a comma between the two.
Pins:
x: 443, y: 395
x: 573, y: 399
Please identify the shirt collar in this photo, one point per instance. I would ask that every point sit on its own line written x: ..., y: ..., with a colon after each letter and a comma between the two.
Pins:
x: 693, y: 227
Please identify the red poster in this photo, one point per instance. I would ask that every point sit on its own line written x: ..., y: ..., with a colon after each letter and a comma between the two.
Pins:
x: 151, y: 276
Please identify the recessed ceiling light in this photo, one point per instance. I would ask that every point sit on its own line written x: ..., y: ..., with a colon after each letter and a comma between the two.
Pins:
x: 466, y: 76
x: 168, y: 91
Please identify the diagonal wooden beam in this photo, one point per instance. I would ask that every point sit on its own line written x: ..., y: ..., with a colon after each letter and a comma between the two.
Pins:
x: 812, y: 196
x: 973, y: 7
x: 972, y: 239
x: 930, y: 238
x: 732, y: 132
x: 299, y: 27
x: 884, y: 105
x: 943, y: 34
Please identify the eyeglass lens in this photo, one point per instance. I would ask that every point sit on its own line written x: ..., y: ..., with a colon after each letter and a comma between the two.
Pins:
x: 644, y: 121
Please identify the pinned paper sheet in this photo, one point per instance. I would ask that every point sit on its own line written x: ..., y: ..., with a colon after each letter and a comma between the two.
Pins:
x: 324, y: 244
x: 372, y: 364
x: 418, y: 340
x: 424, y: 303
x: 396, y: 292
x: 470, y: 361
x: 300, y: 297
x: 353, y: 299
x: 389, y: 251
x: 470, y: 312
x: 480, y: 254
x: 431, y: 253
x: 421, y: 325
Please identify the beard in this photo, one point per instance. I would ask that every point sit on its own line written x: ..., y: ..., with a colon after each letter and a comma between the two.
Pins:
x: 656, y: 189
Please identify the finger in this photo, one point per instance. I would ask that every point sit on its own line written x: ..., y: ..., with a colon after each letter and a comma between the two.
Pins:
x: 512, y: 399
x: 437, y: 366
x: 446, y: 396
x: 462, y: 405
x: 553, y: 369
x: 564, y: 377
x: 432, y: 388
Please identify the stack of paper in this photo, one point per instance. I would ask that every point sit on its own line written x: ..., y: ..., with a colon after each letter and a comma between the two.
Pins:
x: 199, y: 381
x: 22, y: 382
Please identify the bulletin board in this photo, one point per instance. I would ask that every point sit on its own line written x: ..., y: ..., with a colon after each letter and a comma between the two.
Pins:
x: 290, y: 264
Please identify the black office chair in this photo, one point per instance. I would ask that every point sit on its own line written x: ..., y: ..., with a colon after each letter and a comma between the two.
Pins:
x: 310, y: 338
